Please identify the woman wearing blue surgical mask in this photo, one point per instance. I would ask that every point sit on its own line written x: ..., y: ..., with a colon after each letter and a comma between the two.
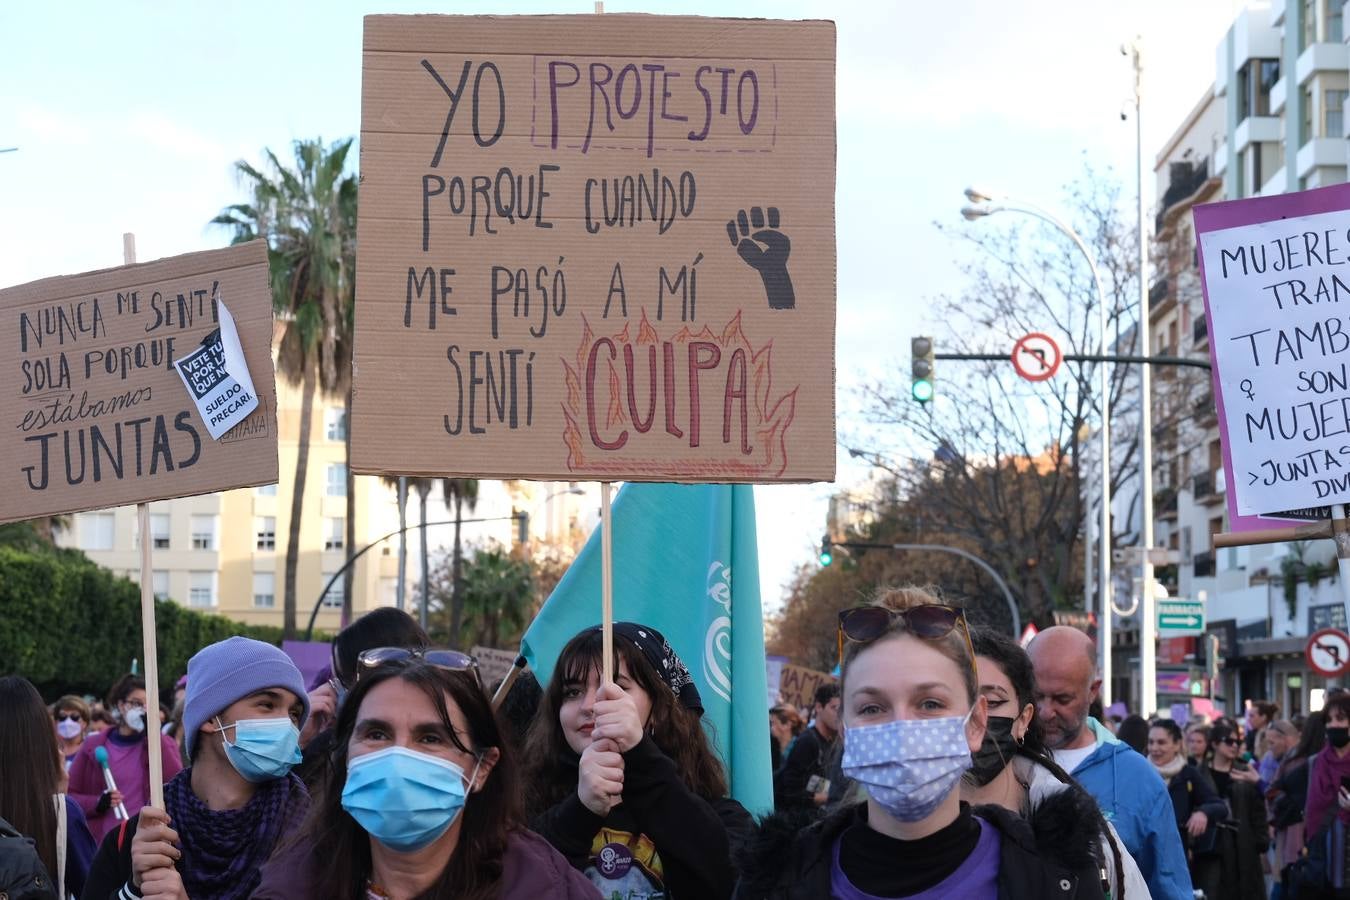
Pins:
x: 912, y: 718
x: 421, y: 800
x: 225, y: 814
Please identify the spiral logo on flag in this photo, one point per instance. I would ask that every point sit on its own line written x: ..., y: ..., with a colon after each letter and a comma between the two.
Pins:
x: 717, y: 641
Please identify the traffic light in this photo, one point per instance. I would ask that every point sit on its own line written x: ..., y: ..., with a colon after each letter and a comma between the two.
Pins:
x: 826, y: 551
x: 921, y: 368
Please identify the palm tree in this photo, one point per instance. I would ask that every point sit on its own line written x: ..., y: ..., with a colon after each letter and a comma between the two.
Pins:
x: 459, y: 491
x: 307, y: 215
x: 498, y: 591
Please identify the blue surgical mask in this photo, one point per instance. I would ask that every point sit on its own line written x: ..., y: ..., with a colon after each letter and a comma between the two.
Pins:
x: 908, y: 766
x: 405, y: 799
x: 263, y: 749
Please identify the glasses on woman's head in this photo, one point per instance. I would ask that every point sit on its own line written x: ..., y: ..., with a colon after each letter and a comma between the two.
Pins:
x: 451, y: 660
x: 930, y: 621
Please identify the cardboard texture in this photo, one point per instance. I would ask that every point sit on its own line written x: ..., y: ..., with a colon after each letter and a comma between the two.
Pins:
x: 1272, y: 270
x: 797, y: 685
x: 493, y: 664
x: 98, y: 416
x: 596, y: 247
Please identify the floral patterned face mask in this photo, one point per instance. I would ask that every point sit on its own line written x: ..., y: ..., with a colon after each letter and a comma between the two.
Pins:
x: 908, y: 766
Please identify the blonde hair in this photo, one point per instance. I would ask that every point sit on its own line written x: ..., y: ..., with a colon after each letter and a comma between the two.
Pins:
x: 955, y: 645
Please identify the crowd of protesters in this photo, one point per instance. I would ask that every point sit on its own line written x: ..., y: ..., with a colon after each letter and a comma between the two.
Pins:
x: 946, y: 762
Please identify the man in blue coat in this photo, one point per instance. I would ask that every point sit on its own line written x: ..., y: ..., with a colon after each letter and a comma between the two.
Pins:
x: 1128, y: 789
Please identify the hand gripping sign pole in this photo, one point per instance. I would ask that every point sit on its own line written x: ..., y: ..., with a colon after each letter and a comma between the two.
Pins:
x: 152, y: 724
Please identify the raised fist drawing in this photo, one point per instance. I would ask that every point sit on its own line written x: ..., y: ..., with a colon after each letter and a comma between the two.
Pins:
x: 766, y: 250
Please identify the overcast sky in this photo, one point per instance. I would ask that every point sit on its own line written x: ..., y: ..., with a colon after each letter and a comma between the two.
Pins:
x: 130, y: 115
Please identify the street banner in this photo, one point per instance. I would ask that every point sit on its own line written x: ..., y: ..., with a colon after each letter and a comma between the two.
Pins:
x: 596, y: 247
x: 797, y: 686
x: 676, y: 547
x: 1274, y: 273
x: 98, y: 416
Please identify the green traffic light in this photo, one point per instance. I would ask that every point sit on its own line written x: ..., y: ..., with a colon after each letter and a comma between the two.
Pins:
x: 923, y: 391
x: 826, y: 557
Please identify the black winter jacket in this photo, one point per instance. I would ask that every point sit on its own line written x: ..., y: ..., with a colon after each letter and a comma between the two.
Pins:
x: 1054, y: 855
x: 693, y: 836
x: 809, y: 756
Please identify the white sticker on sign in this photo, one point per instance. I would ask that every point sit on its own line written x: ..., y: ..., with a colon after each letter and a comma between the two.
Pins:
x: 1277, y: 295
x: 217, y: 378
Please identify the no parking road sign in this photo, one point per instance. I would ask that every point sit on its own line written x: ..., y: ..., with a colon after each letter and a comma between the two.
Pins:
x: 1328, y: 652
x: 1036, y: 357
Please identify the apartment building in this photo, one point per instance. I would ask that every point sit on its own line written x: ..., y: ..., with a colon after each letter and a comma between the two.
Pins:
x: 225, y: 552
x: 1273, y: 122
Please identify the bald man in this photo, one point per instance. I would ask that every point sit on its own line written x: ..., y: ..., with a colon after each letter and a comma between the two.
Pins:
x: 1128, y: 789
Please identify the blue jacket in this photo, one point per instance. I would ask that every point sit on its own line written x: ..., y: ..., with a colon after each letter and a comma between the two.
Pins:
x: 1134, y: 799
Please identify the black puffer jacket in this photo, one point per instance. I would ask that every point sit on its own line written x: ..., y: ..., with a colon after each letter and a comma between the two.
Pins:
x: 1052, y: 856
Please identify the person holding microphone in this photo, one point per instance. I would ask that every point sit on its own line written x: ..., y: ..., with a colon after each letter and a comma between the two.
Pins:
x: 106, y: 803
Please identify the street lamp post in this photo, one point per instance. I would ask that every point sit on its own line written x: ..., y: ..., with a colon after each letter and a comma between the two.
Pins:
x: 1148, y: 668
x: 983, y: 205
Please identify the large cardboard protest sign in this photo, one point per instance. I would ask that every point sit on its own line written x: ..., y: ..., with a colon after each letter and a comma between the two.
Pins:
x: 493, y: 664
x: 596, y: 247
x: 1275, y: 275
x: 97, y: 415
x: 797, y: 685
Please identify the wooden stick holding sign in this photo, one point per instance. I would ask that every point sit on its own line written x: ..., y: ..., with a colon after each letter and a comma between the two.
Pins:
x: 148, y: 642
x: 606, y: 585
x: 1336, y: 528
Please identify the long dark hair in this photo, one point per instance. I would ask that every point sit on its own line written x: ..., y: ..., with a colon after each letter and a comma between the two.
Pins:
x: 675, y: 729
x: 1133, y: 730
x: 1313, y: 737
x: 1016, y: 665
x: 383, y: 627
x: 31, y: 766
x: 341, y: 847
x: 1219, y: 732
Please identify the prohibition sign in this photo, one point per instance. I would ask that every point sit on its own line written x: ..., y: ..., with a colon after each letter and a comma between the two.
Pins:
x: 1328, y: 652
x: 1036, y: 357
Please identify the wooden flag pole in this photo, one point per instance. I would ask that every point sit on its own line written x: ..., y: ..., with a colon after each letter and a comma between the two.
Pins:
x: 517, y: 669
x: 152, y: 724
x: 606, y: 584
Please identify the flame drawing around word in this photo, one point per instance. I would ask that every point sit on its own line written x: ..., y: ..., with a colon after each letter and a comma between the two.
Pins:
x: 769, y: 416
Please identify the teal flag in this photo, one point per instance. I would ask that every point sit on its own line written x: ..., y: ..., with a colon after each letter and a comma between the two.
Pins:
x: 676, y: 547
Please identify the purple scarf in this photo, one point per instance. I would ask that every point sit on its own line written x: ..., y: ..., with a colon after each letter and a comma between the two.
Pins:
x: 223, y: 850
x: 1327, y: 771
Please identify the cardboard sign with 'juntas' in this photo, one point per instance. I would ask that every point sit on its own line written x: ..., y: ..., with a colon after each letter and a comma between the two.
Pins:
x: 97, y: 415
x: 596, y: 247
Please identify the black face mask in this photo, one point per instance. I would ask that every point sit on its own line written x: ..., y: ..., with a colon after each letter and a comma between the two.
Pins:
x: 995, y: 753
x: 1338, y: 736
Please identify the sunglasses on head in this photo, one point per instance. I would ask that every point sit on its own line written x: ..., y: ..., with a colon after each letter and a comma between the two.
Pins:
x: 450, y: 660
x: 931, y: 621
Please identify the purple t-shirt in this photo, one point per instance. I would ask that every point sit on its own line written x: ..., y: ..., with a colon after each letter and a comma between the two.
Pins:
x: 974, y: 879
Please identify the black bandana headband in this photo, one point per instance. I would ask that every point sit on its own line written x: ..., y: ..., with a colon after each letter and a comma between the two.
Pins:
x: 657, y: 650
